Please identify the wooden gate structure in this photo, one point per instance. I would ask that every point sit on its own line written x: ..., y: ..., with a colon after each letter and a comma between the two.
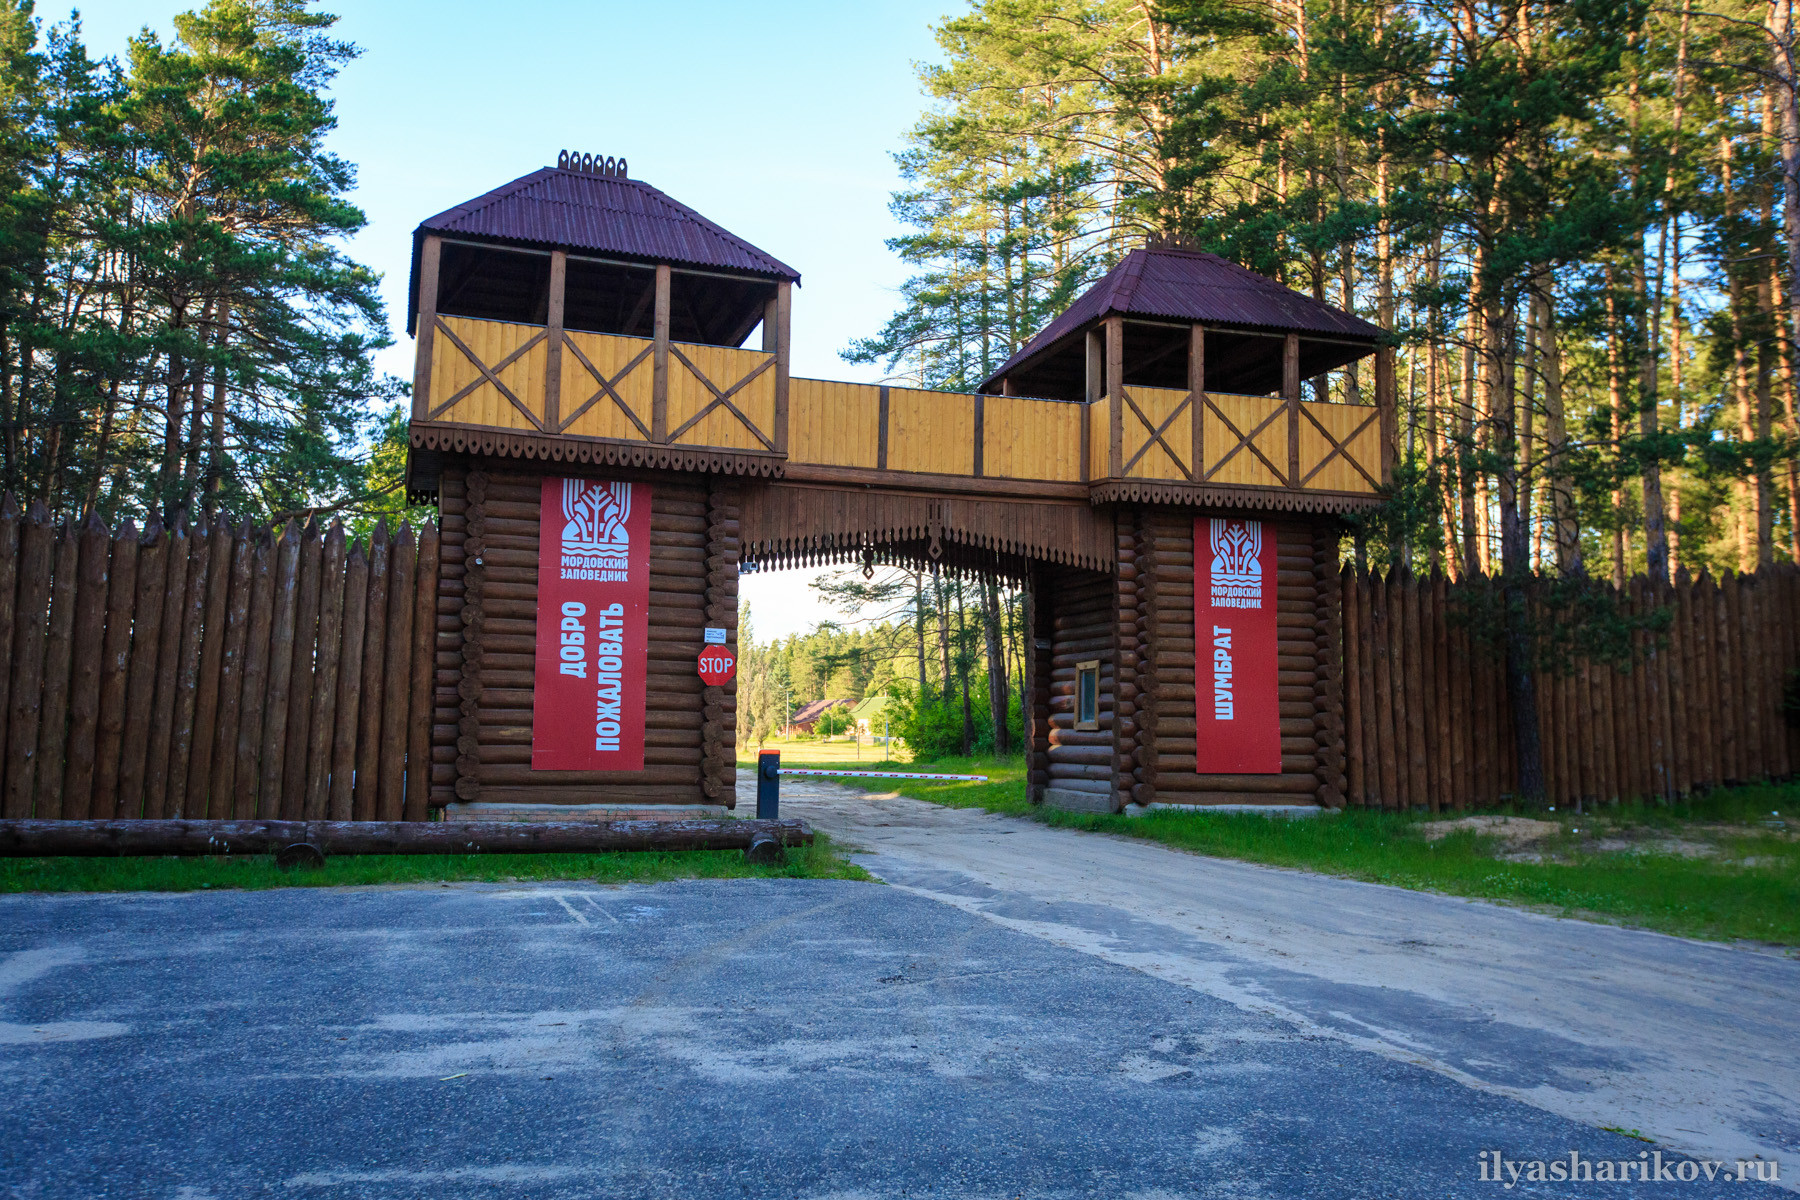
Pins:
x: 578, y: 323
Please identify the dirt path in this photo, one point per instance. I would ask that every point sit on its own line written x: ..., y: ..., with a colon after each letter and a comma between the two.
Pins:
x: 1694, y: 1044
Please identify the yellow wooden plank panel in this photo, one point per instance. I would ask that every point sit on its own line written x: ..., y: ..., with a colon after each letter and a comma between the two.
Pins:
x: 1157, y: 404
x: 688, y: 396
x: 931, y: 431
x: 834, y: 424
x: 525, y: 376
x: 490, y: 341
x: 724, y: 367
x: 837, y: 424
x: 1341, y: 419
x: 1098, y: 415
x: 1246, y: 412
x: 609, y: 355
x: 1030, y: 439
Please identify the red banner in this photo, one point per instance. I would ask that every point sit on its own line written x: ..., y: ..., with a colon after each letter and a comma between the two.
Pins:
x: 1236, y: 680
x: 592, y: 626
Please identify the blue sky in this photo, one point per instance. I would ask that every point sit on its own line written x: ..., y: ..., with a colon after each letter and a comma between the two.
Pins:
x: 776, y: 120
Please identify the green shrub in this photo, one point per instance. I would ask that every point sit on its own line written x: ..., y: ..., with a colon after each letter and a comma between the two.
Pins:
x: 932, y: 725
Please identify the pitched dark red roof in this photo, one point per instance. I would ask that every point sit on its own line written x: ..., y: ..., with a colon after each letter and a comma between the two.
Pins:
x: 814, y: 711
x: 1190, y: 285
x: 602, y: 214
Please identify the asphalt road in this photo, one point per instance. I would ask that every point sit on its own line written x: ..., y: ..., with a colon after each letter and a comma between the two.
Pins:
x: 1692, y: 1043
x: 691, y: 1040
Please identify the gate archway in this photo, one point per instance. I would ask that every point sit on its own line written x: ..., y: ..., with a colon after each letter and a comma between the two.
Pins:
x: 581, y: 325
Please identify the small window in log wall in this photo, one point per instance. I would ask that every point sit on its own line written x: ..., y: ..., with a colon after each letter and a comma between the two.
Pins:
x: 1087, y: 695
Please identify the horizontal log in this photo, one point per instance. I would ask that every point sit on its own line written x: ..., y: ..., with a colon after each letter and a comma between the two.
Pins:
x: 647, y: 794
x: 524, y: 487
x: 1061, y: 770
x: 1170, y: 744
x: 1063, y: 733
x: 1267, y: 799
x: 501, y: 747
x: 1086, y: 755
x: 1181, y: 727
x: 670, y: 650
x: 665, y: 515
x: 123, y: 838
x: 673, y: 730
x: 507, y: 563
x: 1089, y: 786
x: 595, y: 781
x: 1071, y: 617
x: 1297, y: 783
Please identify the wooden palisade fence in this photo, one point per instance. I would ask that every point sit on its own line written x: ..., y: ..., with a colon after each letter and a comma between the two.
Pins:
x: 1426, y: 718
x: 214, y: 672
x: 223, y: 672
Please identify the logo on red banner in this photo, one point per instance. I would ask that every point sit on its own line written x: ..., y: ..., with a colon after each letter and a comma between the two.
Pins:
x: 1236, y: 681
x: 592, y: 626
x: 717, y: 665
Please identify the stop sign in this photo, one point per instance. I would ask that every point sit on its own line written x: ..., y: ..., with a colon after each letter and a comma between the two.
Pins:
x: 717, y: 665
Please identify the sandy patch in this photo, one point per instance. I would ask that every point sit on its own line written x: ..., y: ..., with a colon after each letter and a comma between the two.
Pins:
x: 1515, y: 831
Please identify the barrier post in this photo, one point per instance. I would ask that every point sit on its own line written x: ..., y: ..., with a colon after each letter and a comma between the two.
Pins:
x: 768, y: 785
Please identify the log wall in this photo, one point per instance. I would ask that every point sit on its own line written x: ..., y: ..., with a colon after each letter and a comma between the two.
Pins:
x: 486, y: 631
x: 212, y: 671
x: 1168, y: 537
x: 1079, y: 608
x: 1140, y: 625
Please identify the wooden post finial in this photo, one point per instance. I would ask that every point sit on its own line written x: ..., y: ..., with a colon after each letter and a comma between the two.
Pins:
x: 590, y: 164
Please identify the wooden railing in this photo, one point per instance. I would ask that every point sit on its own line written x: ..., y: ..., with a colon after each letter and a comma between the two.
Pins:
x: 1245, y: 441
x: 502, y: 375
x: 508, y: 376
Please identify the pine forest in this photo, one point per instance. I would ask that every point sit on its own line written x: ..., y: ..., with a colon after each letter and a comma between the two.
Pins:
x: 1579, y: 220
x: 180, y: 328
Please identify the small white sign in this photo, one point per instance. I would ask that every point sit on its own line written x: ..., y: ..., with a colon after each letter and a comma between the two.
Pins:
x: 715, y: 637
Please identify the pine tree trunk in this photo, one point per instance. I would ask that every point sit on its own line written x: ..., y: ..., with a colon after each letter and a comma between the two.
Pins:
x: 996, y: 659
x: 962, y: 670
x: 941, y: 596
x: 1556, y: 437
x: 1787, y: 94
x: 919, y: 628
x: 1515, y: 549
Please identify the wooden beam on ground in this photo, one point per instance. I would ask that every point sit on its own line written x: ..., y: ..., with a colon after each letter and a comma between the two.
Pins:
x: 104, y: 838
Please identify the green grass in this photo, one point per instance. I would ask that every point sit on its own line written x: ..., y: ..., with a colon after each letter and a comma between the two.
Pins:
x: 1748, y: 887
x: 821, y: 860
x: 1004, y: 792
x: 804, y: 752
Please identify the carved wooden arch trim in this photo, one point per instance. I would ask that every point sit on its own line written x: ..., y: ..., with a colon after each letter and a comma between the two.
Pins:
x: 513, y: 443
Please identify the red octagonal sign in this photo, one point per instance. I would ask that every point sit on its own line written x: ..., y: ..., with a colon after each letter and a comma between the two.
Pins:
x: 717, y: 665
